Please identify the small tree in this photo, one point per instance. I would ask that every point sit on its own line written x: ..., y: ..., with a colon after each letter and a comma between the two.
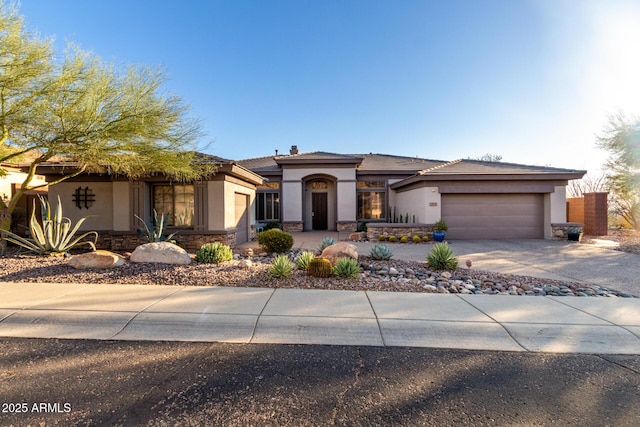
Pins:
x: 621, y: 138
x: 88, y: 113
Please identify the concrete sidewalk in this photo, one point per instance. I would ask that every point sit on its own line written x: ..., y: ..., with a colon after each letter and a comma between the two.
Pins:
x: 295, y: 316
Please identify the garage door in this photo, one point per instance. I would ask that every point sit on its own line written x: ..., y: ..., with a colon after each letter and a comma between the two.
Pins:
x: 494, y: 216
x: 242, y: 217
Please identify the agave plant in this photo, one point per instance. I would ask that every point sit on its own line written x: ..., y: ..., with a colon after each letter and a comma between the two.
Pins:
x: 154, y: 232
x: 380, y: 252
x: 442, y: 257
x: 325, y: 243
x: 55, y: 236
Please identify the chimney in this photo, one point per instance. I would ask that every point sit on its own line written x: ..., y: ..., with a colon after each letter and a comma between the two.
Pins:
x: 294, y: 150
x: 276, y: 152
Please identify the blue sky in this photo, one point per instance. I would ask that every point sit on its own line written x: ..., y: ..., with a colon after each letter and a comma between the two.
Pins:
x: 531, y: 80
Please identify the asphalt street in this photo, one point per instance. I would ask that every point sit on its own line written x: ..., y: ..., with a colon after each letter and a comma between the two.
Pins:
x: 117, y: 383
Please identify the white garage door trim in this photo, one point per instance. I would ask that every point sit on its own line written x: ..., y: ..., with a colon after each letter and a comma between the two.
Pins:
x: 494, y: 216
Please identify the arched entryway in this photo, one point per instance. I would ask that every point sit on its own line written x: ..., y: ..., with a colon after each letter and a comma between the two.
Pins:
x: 319, y: 202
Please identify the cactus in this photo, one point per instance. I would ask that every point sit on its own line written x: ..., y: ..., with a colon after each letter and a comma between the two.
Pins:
x: 416, y: 239
x: 319, y: 267
x: 393, y: 239
x: 380, y: 252
x: 404, y: 239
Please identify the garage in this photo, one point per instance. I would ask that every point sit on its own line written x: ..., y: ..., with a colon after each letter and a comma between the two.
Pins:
x: 494, y: 216
x: 242, y: 218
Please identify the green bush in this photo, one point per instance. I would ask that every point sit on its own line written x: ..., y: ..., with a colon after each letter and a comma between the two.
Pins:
x: 304, y: 259
x: 347, y: 268
x: 442, y: 257
x: 281, y: 267
x: 380, y: 252
x: 275, y: 241
x: 213, y: 253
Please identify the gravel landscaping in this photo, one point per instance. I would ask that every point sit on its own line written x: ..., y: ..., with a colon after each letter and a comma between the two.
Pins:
x: 393, y: 275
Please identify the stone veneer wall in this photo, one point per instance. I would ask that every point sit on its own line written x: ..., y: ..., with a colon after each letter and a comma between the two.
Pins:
x: 188, y: 240
x: 374, y: 230
x: 347, y: 226
x: 292, y: 227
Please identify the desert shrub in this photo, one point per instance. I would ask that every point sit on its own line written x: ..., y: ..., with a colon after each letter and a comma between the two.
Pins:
x: 380, y: 252
x: 347, y: 268
x: 319, y: 267
x: 281, y: 268
x: 275, y: 241
x: 213, y: 253
x: 442, y: 257
x: 325, y: 243
x: 304, y: 259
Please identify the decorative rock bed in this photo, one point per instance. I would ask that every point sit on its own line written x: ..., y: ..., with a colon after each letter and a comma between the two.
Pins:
x: 393, y: 276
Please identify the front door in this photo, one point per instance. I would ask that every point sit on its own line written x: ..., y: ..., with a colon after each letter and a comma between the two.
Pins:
x: 319, y: 211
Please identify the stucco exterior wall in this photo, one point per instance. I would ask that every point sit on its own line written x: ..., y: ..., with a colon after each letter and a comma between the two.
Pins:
x: 217, y: 209
x: 424, y: 203
x: 122, y: 215
x: 14, y: 177
x: 296, y: 202
x: 100, y: 212
x: 347, y: 201
x: 221, y: 213
x: 291, y: 201
x: 555, y: 209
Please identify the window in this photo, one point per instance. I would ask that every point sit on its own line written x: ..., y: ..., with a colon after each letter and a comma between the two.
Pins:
x: 268, y: 202
x: 268, y: 206
x: 177, y: 201
x: 371, y: 200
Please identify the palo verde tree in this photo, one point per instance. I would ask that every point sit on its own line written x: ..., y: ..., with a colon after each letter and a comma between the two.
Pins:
x: 621, y: 138
x: 84, y: 111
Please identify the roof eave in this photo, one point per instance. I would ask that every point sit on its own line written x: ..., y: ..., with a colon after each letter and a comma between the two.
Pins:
x: 543, y: 176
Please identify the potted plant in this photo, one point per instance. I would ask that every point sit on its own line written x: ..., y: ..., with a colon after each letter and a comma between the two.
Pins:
x: 573, y: 234
x: 438, y: 230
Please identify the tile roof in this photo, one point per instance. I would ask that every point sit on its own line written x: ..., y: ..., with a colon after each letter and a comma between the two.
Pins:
x: 479, y: 167
x: 370, y: 162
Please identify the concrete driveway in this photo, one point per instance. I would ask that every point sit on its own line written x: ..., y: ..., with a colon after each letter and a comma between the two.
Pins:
x: 550, y: 259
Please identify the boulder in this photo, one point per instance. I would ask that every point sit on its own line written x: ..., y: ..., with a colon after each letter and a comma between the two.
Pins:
x: 161, y: 252
x: 98, y: 259
x: 340, y: 250
x: 356, y: 237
